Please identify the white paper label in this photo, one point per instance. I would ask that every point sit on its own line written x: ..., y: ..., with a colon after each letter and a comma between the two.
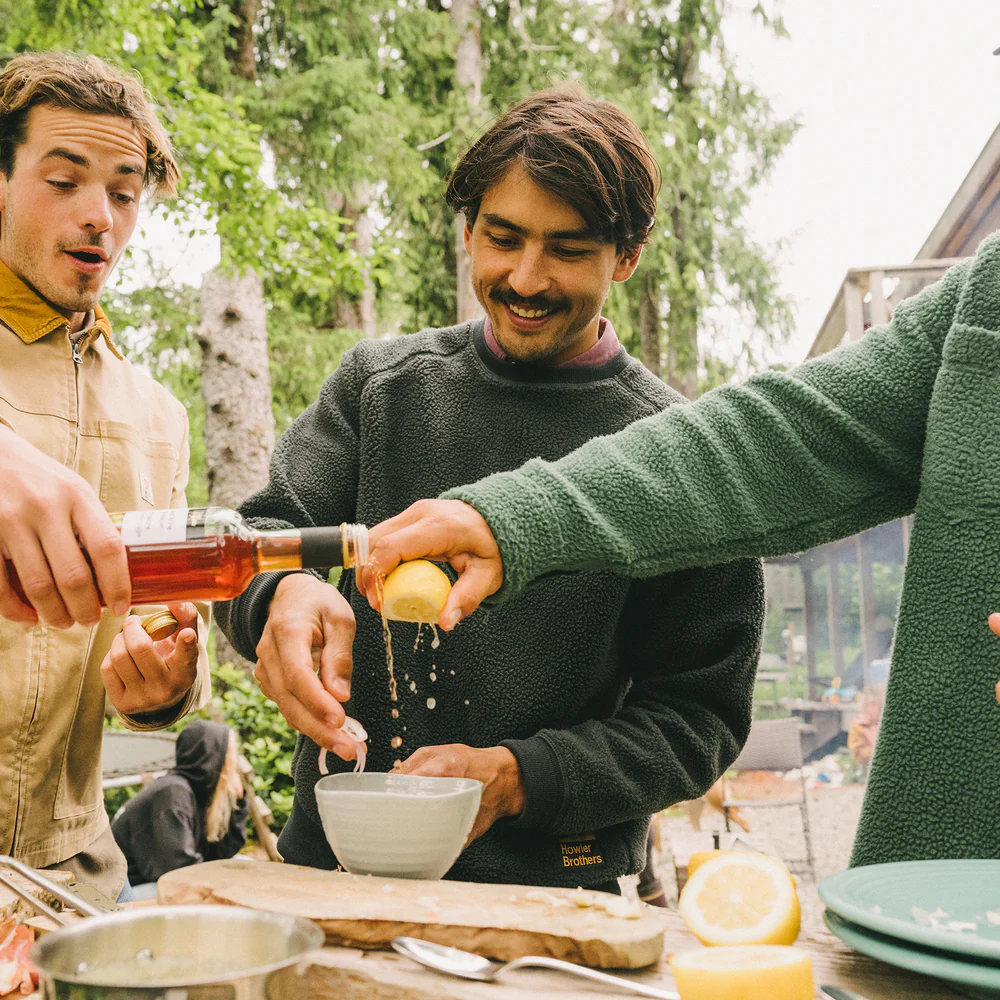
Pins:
x: 154, y: 527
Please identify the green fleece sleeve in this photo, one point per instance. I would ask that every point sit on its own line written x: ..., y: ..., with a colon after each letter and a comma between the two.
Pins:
x: 784, y: 462
x: 690, y: 641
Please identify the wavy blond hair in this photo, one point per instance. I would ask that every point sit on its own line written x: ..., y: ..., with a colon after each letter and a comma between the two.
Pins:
x: 89, y: 85
x: 220, y: 808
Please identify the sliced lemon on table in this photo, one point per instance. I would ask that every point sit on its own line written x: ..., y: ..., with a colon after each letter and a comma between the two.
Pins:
x: 415, y: 592
x: 700, y: 857
x: 741, y: 898
x: 749, y: 972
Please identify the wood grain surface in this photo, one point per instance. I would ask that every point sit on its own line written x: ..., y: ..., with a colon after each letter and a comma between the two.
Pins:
x: 364, y: 911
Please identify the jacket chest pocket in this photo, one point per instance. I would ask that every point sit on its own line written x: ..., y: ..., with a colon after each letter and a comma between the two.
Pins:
x: 961, y: 468
x: 136, y: 472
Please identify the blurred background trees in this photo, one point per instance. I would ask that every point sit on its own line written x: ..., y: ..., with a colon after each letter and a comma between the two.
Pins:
x: 316, y: 138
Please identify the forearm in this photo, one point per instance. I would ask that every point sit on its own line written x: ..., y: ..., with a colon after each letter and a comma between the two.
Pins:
x: 782, y: 463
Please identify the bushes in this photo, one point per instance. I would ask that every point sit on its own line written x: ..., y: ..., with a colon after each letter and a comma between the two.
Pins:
x: 267, y: 740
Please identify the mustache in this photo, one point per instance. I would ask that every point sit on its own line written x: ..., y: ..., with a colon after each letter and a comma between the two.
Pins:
x: 85, y: 240
x: 507, y: 297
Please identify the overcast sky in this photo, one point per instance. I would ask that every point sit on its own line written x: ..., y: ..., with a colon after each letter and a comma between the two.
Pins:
x: 896, y: 97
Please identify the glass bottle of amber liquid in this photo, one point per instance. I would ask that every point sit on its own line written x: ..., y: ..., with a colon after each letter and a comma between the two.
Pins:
x: 212, y: 553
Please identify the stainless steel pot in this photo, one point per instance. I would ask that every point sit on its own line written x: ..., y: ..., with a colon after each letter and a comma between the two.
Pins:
x: 172, y: 952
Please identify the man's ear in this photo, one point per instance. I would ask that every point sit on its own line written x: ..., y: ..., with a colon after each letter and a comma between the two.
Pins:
x: 467, y: 237
x: 627, y: 263
x: 3, y: 190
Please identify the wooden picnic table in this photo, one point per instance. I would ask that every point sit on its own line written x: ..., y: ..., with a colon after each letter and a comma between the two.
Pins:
x: 352, y: 974
x: 340, y: 973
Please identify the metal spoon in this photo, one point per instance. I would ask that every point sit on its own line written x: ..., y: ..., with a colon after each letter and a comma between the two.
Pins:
x: 839, y: 993
x: 470, y: 966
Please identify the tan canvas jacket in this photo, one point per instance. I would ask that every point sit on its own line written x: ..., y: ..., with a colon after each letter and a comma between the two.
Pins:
x: 89, y: 408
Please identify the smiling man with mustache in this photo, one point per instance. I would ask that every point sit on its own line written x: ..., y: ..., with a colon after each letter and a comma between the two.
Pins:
x: 596, y: 701
x: 82, y: 433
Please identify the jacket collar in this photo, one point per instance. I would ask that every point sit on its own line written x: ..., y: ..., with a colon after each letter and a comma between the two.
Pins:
x: 25, y: 312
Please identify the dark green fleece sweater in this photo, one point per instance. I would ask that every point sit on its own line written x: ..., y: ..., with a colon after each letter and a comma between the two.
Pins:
x: 907, y: 419
x: 617, y: 697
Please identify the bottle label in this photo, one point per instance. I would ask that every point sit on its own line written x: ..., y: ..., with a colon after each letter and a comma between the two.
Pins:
x: 153, y: 527
x: 178, y: 524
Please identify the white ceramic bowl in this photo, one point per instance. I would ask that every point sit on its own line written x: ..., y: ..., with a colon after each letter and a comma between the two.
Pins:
x: 400, y: 825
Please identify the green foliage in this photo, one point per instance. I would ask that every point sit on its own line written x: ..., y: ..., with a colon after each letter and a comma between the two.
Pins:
x: 353, y: 107
x: 267, y: 740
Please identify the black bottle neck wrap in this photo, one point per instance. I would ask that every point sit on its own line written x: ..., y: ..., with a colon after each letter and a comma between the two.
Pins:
x: 322, y: 548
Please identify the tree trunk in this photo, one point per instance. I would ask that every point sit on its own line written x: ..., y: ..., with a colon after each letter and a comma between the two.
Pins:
x: 243, y: 57
x: 682, y: 322
x: 649, y: 323
x: 236, y: 387
x: 469, y: 80
x: 348, y: 313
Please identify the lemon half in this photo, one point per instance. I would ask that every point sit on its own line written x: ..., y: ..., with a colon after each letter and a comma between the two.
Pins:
x: 753, y: 972
x: 741, y: 898
x: 415, y: 592
x: 699, y: 858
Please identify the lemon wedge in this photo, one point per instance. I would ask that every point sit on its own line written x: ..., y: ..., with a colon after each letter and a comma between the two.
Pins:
x: 754, y: 972
x: 415, y: 592
x: 741, y: 898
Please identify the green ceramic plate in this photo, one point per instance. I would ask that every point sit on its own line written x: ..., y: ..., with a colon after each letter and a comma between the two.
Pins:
x: 953, y: 906
x: 968, y: 976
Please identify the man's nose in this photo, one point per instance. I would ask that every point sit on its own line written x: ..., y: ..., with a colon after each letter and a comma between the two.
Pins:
x: 528, y: 276
x: 95, y: 210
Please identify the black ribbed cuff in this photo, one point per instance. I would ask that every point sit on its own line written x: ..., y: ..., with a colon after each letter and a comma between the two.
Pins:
x: 545, y: 789
x: 249, y: 611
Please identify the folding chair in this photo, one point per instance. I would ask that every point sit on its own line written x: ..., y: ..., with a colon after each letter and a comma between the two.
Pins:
x: 774, y: 745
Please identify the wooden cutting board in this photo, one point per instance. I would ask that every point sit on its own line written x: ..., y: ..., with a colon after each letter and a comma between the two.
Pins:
x: 364, y: 911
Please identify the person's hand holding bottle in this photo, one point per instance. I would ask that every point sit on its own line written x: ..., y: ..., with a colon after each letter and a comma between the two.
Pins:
x: 49, y: 517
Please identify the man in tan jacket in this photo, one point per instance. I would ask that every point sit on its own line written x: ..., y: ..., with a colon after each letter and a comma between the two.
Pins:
x: 82, y: 433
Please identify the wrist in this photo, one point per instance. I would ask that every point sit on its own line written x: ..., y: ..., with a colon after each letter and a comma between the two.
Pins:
x: 512, y: 783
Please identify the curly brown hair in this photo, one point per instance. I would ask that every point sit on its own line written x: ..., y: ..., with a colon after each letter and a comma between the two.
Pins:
x: 87, y: 84
x: 589, y: 153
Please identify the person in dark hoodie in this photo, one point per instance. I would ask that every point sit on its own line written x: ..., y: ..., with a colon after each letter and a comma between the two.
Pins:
x: 196, y: 812
x: 591, y: 703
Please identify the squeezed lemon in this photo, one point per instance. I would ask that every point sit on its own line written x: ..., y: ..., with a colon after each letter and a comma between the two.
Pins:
x: 415, y: 591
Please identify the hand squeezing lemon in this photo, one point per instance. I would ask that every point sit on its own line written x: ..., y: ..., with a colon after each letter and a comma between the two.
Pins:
x: 415, y: 592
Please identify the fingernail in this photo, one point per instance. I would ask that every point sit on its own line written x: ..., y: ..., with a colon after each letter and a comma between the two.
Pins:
x: 342, y: 689
x: 451, y: 619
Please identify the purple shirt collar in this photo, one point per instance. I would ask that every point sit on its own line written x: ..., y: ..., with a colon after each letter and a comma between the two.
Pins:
x: 606, y: 348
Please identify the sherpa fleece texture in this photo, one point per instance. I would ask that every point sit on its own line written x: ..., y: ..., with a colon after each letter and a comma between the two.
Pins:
x: 907, y: 419
x: 617, y: 697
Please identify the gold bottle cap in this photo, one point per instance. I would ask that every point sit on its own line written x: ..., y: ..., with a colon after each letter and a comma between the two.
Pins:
x: 159, y: 625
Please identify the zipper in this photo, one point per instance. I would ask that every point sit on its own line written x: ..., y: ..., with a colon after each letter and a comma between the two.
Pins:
x: 77, y: 364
